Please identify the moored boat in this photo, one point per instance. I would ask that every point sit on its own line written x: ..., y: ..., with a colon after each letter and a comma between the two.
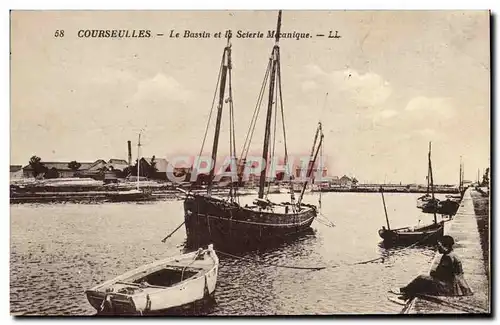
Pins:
x: 223, y: 220
x: 130, y: 195
x: 428, y: 202
x: 423, y: 200
x: 165, y: 284
x: 427, y: 234
x: 410, y: 235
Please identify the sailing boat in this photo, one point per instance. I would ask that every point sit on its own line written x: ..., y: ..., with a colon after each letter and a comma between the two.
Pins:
x: 225, y: 221
x: 427, y: 202
x: 431, y: 204
x: 426, y: 234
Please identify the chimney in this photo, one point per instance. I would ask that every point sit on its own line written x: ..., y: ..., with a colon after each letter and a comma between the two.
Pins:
x: 129, y: 152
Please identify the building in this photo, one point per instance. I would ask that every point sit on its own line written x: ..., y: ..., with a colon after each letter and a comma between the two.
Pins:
x: 146, y: 168
x: 117, y: 164
x: 345, y: 181
x: 100, y: 169
x: 301, y: 172
x: 16, y: 171
x: 58, y: 169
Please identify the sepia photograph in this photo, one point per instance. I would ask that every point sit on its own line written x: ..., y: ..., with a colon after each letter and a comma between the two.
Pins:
x: 250, y: 162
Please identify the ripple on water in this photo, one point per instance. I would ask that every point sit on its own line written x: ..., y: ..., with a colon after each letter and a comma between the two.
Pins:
x: 59, y: 251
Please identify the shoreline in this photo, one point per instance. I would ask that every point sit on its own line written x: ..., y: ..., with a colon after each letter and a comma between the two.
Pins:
x: 470, y: 229
x: 106, y: 193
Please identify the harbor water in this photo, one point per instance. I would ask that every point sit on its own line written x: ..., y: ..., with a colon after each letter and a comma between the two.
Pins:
x: 60, y: 250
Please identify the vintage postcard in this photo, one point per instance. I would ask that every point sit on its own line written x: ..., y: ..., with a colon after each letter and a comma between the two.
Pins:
x: 249, y: 163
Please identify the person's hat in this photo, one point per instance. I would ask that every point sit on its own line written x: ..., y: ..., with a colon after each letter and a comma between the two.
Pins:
x: 447, y: 241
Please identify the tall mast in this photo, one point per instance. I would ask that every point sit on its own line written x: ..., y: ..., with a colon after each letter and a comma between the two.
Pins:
x: 428, y: 176
x: 432, y: 182
x: 460, y: 177
x: 312, y: 160
x: 385, y: 208
x: 267, y: 134
x: 138, y: 158
x: 463, y: 174
x: 225, y: 66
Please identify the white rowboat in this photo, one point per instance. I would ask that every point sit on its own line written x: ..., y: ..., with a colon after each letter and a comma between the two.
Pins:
x: 173, y: 282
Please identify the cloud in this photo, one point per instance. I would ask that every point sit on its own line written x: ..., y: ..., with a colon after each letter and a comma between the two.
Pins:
x: 161, y: 87
x: 309, y: 85
x: 387, y: 113
x: 427, y: 132
x: 366, y: 90
x: 430, y: 106
x: 313, y: 71
x: 348, y: 87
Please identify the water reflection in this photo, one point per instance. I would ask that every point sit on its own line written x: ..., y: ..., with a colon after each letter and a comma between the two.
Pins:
x: 59, y: 251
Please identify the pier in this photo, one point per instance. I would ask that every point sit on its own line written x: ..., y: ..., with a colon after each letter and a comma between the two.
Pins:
x: 472, y: 246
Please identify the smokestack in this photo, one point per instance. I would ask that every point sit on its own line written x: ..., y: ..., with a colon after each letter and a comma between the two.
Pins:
x: 129, y: 152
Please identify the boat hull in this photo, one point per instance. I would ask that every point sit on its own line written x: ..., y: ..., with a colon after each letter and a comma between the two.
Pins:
x: 125, y: 295
x: 227, y: 224
x: 161, y: 301
x: 448, y: 207
x: 407, y: 236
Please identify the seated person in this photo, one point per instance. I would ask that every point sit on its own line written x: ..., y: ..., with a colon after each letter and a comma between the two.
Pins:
x: 446, y: 279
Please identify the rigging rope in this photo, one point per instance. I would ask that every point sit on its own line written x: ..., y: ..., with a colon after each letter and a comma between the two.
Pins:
x: 273, y: 264
x: 309, y: 268
x: 211, y: 110
x: 292, y: 194
x: 232, y: 136
x: 253, y: 122
x: 273, y: 150
x: 169, y: 235
x: 469, y: 308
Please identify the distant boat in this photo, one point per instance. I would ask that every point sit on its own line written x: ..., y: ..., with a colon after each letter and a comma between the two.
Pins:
x: 129, y: 195
x: 169, y: 283
x: 428, y: 203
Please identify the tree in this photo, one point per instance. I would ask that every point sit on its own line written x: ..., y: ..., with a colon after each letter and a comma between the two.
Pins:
x: 152, y: 169
x: 52, y: 173
x: 486, y: 177
x: 74, y: 166
x: 37, y: 165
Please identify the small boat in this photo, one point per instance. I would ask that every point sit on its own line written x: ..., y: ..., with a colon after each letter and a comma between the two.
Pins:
x: 427, y: 234
x: 169, y: 283
x: 428, y: 202
x: 423, y: 200
x: 449, y: 206
x: 130, y: 195
x: 410, y: 235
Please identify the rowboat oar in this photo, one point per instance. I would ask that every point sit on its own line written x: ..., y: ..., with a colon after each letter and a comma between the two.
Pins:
x: 164, y: 239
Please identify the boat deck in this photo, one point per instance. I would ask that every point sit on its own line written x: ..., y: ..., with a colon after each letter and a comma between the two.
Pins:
x: 464, y: 229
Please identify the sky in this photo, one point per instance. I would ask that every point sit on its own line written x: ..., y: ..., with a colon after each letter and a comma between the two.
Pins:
x: 395, y: 81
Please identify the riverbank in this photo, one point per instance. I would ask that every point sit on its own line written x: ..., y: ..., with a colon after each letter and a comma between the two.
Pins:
x: 89, y: 190
x: 470, y: 229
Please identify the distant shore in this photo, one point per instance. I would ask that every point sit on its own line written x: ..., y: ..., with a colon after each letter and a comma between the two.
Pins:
x: 80, y: 190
